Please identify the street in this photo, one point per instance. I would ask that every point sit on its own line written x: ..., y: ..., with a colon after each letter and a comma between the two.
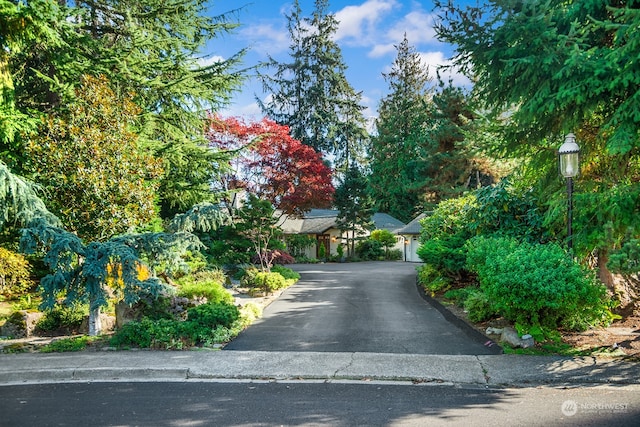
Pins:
x: 308, y: 403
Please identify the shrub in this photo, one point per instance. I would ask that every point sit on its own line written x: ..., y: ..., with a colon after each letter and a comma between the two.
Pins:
x: 214, y: 292
x: 66, y: 319
x: 213, y: 275
x: 68, y: 344
x: 460, y: 295
x: 289, y: 275
x: 322, y: 252
x: 161, y: 334
x: 275, y: 256
x: 370, y: 250
x: 444, y: 234
x: 503, y: 209
x: 14, y: 273
x: 249, y: 313
x: 207, y: 324
x: 445, y: 254
x: 266, y: 281
x: 385, y: 237
x: 478, y: 306
x: 431, y: 280
x: 297, y: 244
x: 211, y: 315
x: 395, y: 255
x: 536, y: 284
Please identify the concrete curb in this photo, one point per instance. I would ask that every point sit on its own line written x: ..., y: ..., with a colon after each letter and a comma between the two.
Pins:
x: 492, y: 370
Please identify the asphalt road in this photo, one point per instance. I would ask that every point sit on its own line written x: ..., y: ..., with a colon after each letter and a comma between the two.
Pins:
x: 312, y: 404
x: 372, y: 307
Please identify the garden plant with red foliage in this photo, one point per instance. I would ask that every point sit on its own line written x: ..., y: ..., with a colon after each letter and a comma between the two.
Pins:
x: 272, y: 165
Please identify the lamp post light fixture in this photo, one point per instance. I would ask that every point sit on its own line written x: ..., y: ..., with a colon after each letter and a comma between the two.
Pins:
x: 569, y: 161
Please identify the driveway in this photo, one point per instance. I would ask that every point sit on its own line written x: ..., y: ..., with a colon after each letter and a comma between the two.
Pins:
x: 371, y: 307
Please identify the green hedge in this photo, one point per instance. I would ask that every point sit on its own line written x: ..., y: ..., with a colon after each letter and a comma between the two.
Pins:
x: 536, y: 284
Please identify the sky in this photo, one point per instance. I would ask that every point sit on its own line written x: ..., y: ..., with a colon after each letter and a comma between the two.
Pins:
x: 367, y: 35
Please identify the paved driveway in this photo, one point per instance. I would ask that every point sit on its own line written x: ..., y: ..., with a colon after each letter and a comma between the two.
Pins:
x: 372, y: 307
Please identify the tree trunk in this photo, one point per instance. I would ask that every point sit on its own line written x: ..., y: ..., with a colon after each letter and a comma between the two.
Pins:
x: 604, y: 274
x: 95, y: 326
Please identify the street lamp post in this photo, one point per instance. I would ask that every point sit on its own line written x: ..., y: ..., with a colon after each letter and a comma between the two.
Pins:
x: 569, y: 161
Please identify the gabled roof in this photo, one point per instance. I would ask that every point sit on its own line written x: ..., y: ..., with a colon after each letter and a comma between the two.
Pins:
x: 413, y: 227
x: 318, y: 221
x: 386, y: 222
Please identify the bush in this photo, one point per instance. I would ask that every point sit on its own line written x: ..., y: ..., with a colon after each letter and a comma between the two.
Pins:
x: 14, y: 273
x: 266, y: 281
x: 395, y: 255
x: 536, y: 284
x: 214, y: 292
x: 160, y: 334
x: 370, y: 250
x: 211, y: 315
x: 478, y: 307
x: 297, y: 244
x: 206, y: 324
x: 504, y: 210
x: 68, y: 344
x: 63, y: 319
x: 460, y: 295
x: 211, y: 275
x: 431, y: 280
x: 289, y: 275
x: 276, y: 256
x: 444, y: 234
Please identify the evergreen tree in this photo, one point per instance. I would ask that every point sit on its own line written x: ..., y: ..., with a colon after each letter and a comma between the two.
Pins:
x: 448, y: 164
x: 150, y: 49
x: 36, y: 40
x: 355, y: 207
x: 311, y: 94
x: 20, y: 202
x: 554, y: 67
x: 401, y: 136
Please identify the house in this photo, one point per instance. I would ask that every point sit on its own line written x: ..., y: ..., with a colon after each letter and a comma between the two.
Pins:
x: 410, y: 235
x: 321, y: 224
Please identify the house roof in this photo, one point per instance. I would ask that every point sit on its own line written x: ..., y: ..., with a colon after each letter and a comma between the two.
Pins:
x: 387, y: 222
x: 318, y: 221
x: 413, y: 227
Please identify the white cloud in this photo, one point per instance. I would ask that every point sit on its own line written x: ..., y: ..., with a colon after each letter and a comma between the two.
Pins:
x: 358, y: 23
x: 266, y: 39
x: 205, y: 62
x: 436, y: 60
x: 417, y: 25
x: 381, y: 50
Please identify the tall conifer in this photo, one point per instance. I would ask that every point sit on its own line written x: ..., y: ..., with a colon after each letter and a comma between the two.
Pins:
x: 401, y: 135
x: 311, y: 94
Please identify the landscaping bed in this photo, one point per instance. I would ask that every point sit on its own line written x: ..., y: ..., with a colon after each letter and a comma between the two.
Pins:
x: 620, y: 339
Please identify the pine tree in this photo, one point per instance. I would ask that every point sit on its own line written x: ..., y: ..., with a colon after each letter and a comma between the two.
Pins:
x: 447, y: 165
x: 355, y: 207
x: 401, y: 136
x: 311, y: 94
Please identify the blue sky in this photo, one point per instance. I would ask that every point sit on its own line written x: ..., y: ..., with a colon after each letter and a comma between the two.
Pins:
x: 367, y: 33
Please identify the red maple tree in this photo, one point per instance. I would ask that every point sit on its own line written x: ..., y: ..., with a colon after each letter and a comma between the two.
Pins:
x: 272, y: 165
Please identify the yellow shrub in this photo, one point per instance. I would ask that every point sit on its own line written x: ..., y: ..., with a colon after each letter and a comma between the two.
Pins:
x: 14, y: 273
